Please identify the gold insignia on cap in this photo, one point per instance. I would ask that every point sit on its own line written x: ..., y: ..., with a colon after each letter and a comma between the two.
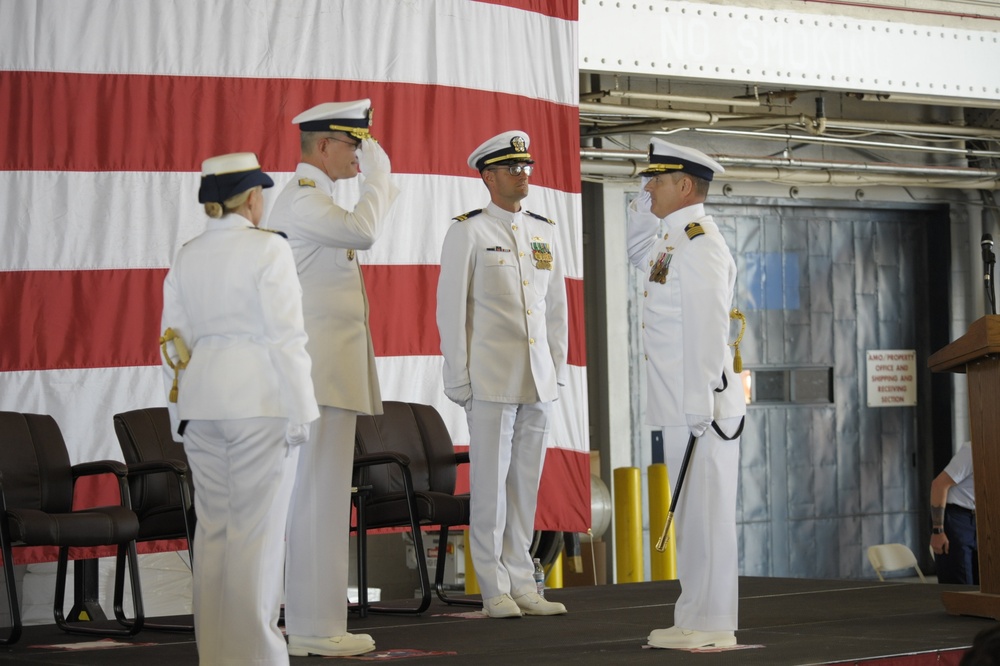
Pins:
x: 307, y: 182
x: 518, y: 143
x: 694, y: 230
x: 664, y: 167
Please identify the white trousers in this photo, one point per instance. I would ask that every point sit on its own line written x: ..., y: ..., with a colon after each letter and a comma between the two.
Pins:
x: 705, y: 527
x: 506, y: 452
x: 319, y: 528
x: 243, y: 473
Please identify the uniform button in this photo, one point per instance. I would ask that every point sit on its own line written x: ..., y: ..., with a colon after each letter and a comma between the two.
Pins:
x: 525, y: 283
x: 529, y: 311
x: 645, y: 293
x: 650, y: 262
x: 514, y: 227
x: 645, y: 357
x: 520, y: 254
x: 644, y: 326
x: 501, y: 262
x: 531, y: 341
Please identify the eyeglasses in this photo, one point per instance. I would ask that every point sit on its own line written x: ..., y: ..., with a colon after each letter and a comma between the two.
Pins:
x: 516, y: 169
x: 353, y: 144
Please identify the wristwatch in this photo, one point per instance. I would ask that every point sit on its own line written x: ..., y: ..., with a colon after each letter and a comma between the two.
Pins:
x: 937, y: 530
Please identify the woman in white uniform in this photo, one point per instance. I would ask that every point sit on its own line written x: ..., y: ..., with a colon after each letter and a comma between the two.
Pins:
x: 243, y: 405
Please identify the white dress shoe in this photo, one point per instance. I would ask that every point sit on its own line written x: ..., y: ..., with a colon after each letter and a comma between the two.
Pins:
x: 334, y: 646
x: 502, y: 606
x: 678, y: 638
x: 533, y: 603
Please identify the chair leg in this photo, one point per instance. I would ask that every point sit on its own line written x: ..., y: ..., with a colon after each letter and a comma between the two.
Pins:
x: 425, y: 586
x: 129, y: 629
x: 362, y: 553
x: 439, y: 574
x: 119, y: 602
x: 14, y: 634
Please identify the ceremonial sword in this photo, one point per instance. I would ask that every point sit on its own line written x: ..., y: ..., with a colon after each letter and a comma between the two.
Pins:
x: 661, y: 544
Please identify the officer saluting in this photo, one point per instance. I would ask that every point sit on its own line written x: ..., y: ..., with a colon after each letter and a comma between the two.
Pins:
x: 692, y: 388
x: 502, y: 320
x: 325, y: 238
x: 246, y: 399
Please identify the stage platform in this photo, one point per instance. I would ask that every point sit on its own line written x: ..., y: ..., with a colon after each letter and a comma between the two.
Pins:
x: 782, y: 621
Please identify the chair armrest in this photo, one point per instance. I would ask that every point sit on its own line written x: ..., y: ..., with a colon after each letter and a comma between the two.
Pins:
x: 461, y: 457
x: 166, y: 465
x: 385, y: 458
x: 99, y: 467
x: 106, y: 467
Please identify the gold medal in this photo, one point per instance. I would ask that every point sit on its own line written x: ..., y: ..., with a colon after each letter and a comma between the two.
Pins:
x: 660, y: 268
x: 542, y: 254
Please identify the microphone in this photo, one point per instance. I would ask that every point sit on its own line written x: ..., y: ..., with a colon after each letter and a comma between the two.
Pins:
x: 988, y: 260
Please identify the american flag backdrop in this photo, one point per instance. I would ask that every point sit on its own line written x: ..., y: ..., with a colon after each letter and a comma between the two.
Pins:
x: 109, y: 107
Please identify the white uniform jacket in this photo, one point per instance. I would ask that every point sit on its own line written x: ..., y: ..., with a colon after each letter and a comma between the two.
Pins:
x: 324, y: 239
x: 501, y: 307
x: 686, y: 317
x: 233, y: 296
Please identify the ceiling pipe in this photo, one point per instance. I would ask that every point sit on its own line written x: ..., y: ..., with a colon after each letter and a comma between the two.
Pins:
x: 795, y: 177
x: 628, y: 164
x: 724, y: 120
x: 661, y: 97
x: 707, y: 117
x: 639, y: 157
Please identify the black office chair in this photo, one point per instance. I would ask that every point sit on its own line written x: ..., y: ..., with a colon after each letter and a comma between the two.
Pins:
x: 405, y: 469
x: 36, y: 509
x: 159, y: 481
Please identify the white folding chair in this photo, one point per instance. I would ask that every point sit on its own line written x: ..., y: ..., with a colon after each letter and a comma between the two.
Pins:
x: 893, y: 557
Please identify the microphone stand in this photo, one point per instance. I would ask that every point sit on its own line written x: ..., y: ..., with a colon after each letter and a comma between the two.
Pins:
x: 989, y: 261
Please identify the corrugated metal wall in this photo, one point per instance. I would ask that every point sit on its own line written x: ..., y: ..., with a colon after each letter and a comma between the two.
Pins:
x: 820, y: 286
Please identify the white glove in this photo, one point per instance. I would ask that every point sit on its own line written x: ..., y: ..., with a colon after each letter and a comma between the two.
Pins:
x: 372, y: 158
x: 643, y: 203
x: 460, y: 395
x: 698, y: 424
x: 297, y: 434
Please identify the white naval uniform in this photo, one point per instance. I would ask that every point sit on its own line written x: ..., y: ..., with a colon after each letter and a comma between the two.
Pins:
x: 325, y: 239
x: 689, y: 372
x: 233, y: 295
x: 503, y: 323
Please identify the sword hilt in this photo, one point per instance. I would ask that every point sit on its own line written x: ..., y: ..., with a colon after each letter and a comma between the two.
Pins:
x: 661, y: 543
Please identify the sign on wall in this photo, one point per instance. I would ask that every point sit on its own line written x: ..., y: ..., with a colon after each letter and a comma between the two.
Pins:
x: 892, y: 377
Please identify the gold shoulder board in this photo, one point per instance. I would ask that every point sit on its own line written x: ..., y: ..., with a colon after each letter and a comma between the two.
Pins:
x: 307, y: 182
x: 540, y: 217
x: 465, y: 216
x: 694, y: 230
x: 273, y: 231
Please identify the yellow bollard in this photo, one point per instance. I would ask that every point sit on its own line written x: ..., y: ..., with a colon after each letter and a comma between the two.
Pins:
x: 554, y: 575
x: 662, y: 566
x: 628, y: 525
x: 471, y: 584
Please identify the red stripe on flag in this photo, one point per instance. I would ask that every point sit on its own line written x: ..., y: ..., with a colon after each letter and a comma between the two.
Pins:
x: 403, y: 305
x: 112, y: 122
x: 568, y: 10
x: 563, y: 494
x: 577, y: 352
x: 111, y: 318
x: 80, y: 319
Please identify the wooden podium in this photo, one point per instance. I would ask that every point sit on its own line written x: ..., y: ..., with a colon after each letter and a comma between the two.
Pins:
x: 977, y: 354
